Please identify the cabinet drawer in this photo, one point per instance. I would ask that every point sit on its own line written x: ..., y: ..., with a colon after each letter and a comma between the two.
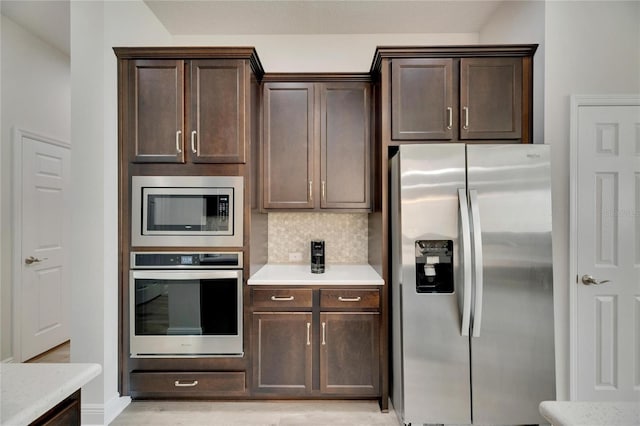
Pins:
x: 349, y: 298
x: 282, y: 297
x: 189, y: 383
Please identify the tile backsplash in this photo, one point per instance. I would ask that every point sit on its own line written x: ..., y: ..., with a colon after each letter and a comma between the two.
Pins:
x: 345, y: 236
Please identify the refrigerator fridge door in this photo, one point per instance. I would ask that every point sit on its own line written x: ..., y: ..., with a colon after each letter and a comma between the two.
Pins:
x: 512, y: 359
x: 431, y: 371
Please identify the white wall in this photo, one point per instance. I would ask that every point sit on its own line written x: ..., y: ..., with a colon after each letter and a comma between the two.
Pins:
x: 96, y: 27
x: 591, y: 48
x: 35, y: 97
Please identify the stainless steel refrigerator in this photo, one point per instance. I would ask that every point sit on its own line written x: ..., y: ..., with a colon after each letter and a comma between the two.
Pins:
x: 472, y: 291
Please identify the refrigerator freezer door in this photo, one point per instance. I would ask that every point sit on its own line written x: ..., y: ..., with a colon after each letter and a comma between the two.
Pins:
x: 512, y: 361
x: 435, y: 356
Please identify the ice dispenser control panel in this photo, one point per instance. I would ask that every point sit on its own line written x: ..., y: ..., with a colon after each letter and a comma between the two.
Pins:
x: 434, y: 266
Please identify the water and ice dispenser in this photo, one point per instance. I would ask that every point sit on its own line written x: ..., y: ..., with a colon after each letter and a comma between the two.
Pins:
x: 434, y: 266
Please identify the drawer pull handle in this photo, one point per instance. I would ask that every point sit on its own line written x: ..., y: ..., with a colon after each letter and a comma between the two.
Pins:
x: 308, y: 334
x: 180, y: 384
x: 282, y: 298
x: 349, y: 299
x: 324, y: 333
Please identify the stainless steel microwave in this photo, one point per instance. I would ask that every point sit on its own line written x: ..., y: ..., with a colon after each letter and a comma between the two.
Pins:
x: 187, y: 211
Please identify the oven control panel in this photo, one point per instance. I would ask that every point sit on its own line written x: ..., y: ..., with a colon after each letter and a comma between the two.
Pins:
x: 170, y: 260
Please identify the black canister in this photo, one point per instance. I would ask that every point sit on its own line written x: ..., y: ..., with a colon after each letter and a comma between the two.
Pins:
x: 317, y: 256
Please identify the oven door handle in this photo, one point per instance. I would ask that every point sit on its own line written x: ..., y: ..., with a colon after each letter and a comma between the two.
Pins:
x: 209, y: 274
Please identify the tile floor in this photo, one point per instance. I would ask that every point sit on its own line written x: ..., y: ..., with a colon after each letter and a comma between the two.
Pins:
x: 245, y: 413
x: 255, y: 413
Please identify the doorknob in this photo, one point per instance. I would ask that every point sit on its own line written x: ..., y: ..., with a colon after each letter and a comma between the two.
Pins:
x: 29, y: 260
x: 589, y: 280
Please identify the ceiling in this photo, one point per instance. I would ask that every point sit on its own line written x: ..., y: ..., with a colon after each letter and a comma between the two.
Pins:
x: 50, y: 19
x: 189, y: 17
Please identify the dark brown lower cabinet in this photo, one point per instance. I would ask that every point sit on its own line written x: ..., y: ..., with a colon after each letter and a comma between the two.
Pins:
x: 349, y: 353
x: 187, y: 384
x: 330, y: 347
x: 283, y: 352
x: 66, y: 413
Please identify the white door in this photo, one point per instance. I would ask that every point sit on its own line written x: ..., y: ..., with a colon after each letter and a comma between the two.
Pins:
x: 606, y: 251
x: 42, y: 308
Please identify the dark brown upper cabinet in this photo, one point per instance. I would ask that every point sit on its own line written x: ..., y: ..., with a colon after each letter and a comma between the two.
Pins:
x: 345, y: 145
x: 216, y: 133
x: 188, y: 105
x: 317, y: 145
x: 157, y: 110
x: 490, y: 98
x: 422, y: 102
x: 455, y: 93
x: 288, y: 145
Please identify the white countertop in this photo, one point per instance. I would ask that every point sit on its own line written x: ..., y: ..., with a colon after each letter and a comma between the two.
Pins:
x: 276, y: 274
x: 583, y: 413
x: 27, y: 391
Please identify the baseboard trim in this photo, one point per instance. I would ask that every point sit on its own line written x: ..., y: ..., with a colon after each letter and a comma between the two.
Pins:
x: 103, y: 414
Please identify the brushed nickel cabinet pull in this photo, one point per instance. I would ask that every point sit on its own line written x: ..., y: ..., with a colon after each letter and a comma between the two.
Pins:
x: 310, y: 190
x: 449, y: 118
x: 466, y: 118
x: 193, y: 142
x: 178, y: 144
x: 308, y: 334
x: 349, y: 299
x: 324, y: 333
x: 180, y: 384
x: 324, y: 190
x: 282, y: 298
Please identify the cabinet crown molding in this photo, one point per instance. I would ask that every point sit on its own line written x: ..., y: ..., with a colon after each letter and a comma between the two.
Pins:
x: 317, y: 77
x: 180, y: 52
x: 462, y: 51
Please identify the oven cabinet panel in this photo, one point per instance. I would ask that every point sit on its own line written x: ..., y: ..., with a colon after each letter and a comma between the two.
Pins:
x: 282, y: 359
x: 349, y: 353
x: 187, y: 384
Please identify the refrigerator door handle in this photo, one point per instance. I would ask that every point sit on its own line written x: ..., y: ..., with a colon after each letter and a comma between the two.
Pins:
x: 465, y: 243
x: 477, y: 262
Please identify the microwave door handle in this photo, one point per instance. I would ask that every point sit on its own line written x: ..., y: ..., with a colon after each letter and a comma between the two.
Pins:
x: 465, y: 243
x: 477, y: 264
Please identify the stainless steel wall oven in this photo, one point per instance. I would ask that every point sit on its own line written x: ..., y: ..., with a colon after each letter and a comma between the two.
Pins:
x: 185, y: 304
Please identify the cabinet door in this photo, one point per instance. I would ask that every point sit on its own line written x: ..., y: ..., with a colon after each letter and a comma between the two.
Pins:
x: 282, y: 352
x: 490, y: 98
x: 349, y: 353
x: 345, y: 145
x: 288, y: 145
x: 217, y: 114
x: 421, y: 99
x: 156, y: 114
